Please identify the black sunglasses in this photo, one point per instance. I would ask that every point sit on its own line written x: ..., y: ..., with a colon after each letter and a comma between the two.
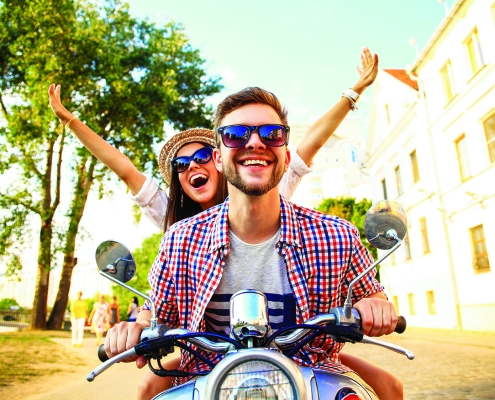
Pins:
x: 273, y: 135
x: 200, y: 156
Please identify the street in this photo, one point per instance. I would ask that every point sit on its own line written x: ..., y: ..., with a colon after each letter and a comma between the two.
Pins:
x: 448, y: 365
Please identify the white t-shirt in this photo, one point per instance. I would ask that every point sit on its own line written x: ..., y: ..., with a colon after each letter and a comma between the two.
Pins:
x: 153, y: 201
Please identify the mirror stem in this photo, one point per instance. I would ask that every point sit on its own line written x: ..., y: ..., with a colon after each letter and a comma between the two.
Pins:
x: 390, y: 235
x: 154, y: 319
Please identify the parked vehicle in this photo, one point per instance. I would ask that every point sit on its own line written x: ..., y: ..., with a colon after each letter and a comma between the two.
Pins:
x: 257, y: 362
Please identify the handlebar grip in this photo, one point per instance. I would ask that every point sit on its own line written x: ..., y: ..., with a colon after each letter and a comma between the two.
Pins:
x: 401, y: 324
x: 101, y: 353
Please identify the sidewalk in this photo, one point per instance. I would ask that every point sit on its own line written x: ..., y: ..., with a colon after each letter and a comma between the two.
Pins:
x: 118, y: 382
x: 471, y: 338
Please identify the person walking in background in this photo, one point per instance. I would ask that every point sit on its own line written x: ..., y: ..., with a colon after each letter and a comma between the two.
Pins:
x: 100, y: 319
x: 132, y: 310
x: 114, y: 312
x: 78, y: 315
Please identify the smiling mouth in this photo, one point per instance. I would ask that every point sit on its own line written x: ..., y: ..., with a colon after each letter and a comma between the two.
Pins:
x: 254, y: 162
x: 198, y: 180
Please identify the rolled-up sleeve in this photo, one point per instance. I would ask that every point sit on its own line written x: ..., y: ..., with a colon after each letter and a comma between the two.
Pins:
x: 291, y: 179
x: 153, y: 202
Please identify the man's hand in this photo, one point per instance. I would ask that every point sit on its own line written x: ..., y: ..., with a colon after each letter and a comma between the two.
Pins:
x: 124, y: 336
x: 378, y: 316
x: 368, y: 70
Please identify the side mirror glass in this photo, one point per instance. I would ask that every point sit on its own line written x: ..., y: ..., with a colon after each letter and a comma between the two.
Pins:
x: 382, y: 217
x: 114, y: 259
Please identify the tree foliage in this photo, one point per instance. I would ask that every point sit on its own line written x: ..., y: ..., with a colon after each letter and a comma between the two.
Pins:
x: 144, y: 257
x: 121, y: 76
x: 352, y: 211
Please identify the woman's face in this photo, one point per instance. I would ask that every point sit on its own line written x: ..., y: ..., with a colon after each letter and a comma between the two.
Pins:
x: 199, y: 181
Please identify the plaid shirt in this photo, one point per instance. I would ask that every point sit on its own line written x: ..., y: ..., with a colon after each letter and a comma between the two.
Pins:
x: 322, y: 253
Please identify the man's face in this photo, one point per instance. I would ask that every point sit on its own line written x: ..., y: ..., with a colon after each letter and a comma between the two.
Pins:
x: 255, y: 168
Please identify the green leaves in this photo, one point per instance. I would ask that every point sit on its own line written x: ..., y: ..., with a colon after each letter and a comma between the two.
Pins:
x: 123, y: 77
x: 354, y: 212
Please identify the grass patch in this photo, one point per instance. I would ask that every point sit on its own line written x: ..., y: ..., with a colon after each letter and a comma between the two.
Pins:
x: 28, y: 355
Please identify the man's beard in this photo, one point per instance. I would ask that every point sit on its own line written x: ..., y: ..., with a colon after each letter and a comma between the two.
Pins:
x: 232, y: 175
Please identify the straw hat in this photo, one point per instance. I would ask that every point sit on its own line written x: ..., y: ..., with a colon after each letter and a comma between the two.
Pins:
x: 170, y: 149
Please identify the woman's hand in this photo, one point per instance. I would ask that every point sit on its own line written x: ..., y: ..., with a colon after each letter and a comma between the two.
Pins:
x: 369, y: 68
x: 55, y: 104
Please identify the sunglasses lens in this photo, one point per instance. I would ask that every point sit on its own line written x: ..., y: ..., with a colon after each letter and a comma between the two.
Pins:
x: 202, y: 156
x: 180, y: 164
x: 273, y: 135
x: 235, y: 135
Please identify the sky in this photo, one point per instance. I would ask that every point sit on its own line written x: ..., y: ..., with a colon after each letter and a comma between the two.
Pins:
x: 304, y: 52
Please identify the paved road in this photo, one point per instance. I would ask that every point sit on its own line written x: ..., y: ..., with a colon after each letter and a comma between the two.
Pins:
x: 448, y: 365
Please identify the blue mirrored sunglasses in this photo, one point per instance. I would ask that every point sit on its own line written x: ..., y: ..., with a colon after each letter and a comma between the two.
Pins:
x: 273, y: 135
x: 200, y: 156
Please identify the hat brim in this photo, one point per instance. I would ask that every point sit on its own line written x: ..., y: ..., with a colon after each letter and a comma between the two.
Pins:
x: 170, y: 149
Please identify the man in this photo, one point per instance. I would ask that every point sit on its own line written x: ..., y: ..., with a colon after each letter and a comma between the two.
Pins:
x: 78, y: 316
x: 301, y: 259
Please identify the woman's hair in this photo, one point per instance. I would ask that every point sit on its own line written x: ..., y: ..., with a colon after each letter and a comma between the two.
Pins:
x: 181, y: 206
x: 135, y: 300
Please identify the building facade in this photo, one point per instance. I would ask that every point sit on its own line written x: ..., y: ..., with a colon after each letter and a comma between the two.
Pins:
x: 432, y: 149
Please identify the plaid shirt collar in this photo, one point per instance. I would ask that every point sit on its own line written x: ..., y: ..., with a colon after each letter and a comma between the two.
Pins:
x: 289, y: 227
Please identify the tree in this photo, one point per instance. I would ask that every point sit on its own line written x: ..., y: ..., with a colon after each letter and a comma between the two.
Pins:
x: 144, y: 257
x: 354, y: 212
x: 124, y: 78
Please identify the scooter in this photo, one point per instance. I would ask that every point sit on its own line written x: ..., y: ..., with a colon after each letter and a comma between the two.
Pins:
x: 257, y: 362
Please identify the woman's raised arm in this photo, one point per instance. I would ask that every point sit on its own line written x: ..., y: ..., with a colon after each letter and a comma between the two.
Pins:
x: 101, y: 149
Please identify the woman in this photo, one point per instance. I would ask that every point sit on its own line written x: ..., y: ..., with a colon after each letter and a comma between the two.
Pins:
x: 164, y: 210
x: 195, y: 185
x: 114, y: 312
x: 100, y: 319
x: 132, y: 310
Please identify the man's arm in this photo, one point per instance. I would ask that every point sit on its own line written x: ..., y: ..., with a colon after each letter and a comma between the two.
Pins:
x: 324, y: 127
x: 101, y: 149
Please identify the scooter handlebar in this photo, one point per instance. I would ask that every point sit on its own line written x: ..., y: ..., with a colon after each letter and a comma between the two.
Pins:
x: 401, y: 324
x: 101, y: 353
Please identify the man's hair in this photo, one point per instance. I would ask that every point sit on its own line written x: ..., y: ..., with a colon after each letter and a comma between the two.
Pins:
x: 249, y: 95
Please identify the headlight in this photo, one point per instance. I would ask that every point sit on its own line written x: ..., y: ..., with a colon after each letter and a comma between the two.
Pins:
x: 256, y: 380
x: 256, y: 374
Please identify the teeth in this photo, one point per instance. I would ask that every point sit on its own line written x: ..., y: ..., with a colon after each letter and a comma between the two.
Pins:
x: 255, y: 162
x: 198, y: 176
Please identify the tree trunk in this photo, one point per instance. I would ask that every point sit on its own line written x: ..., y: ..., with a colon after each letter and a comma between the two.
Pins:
x: 38, y: 313
x: 84, y: 182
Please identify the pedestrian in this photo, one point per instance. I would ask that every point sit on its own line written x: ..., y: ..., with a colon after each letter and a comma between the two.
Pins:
x: 78, y: 315
x: 114, y: 312
x: 132, y: 310
x: 100, y: 319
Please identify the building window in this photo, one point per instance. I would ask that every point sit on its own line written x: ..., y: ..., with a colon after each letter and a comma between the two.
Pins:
x: 384, y: 189
x: 474, y: 53
x: 480, y: 255
x: 412, y: 307
x: 392, y: 259
x: 407, y: 248
x: 398, y: 180
x: 395, y: 301
x: 424, y: 235
x: 489, y: 127
x: 447, y: 80
x: 430, y: 299
x: 463, y: 158
x: 414, y: 164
